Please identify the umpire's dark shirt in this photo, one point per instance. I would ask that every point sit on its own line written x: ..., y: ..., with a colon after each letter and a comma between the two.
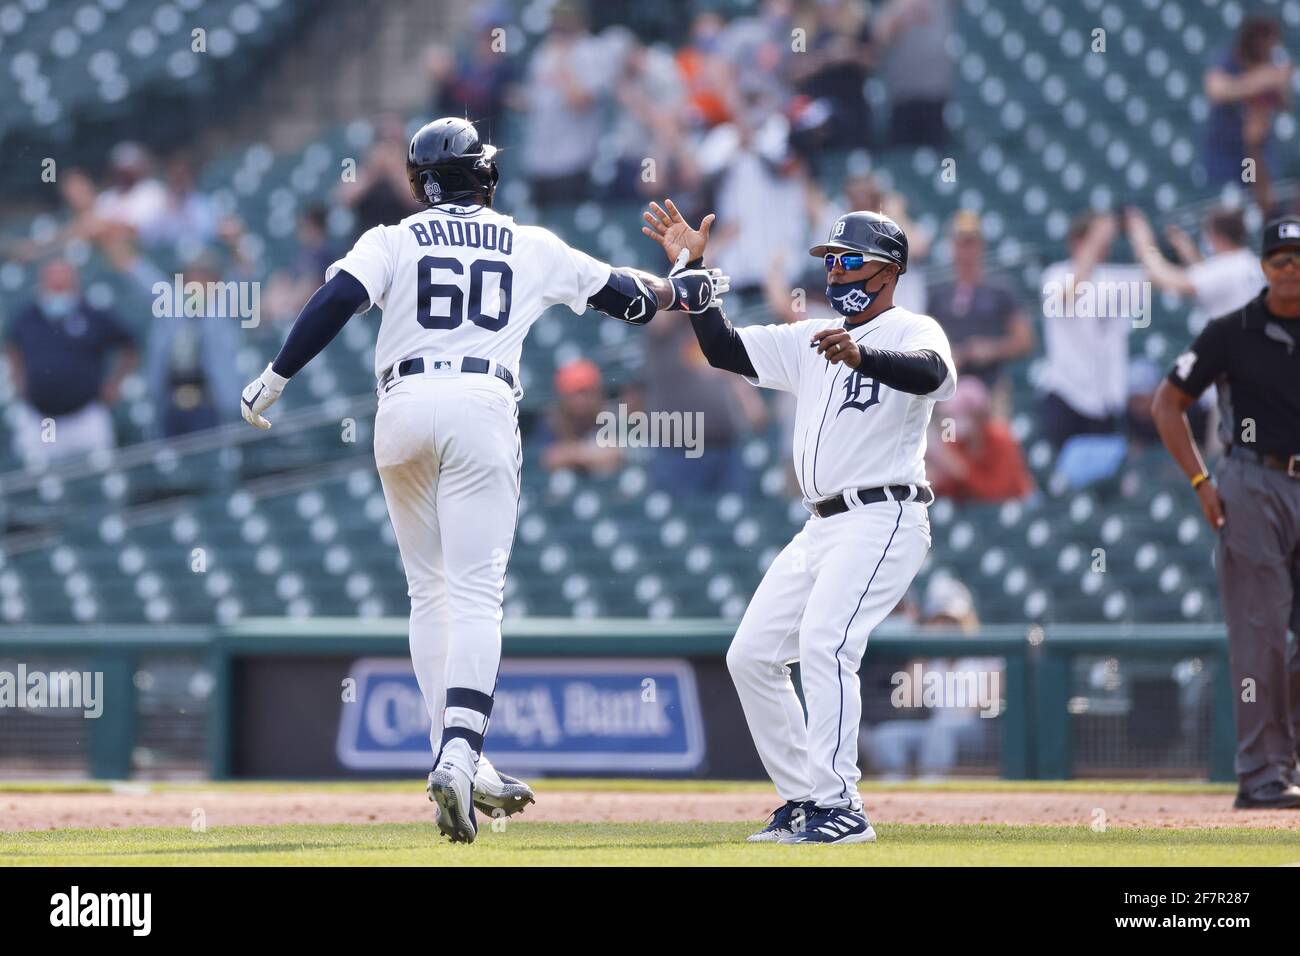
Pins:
x: 1254, y: 358
x: 65, y: 359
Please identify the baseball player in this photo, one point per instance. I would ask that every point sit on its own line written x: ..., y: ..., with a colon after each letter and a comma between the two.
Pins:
x: 460, y: 284
x: 864, y: 388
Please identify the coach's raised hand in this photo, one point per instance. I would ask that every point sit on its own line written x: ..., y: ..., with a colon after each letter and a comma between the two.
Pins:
x: 673, y: 233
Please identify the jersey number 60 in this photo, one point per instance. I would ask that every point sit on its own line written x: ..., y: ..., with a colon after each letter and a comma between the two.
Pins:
x: 457, y: 312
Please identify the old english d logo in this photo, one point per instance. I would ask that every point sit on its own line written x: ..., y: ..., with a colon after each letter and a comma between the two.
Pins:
x: 854, y: 387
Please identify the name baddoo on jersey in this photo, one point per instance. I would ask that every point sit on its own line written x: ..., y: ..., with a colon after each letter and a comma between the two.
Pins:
x: 470, y: 234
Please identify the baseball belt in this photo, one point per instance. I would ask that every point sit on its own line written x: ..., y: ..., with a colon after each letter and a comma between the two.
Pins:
x: 870, y: 496
x: 1287, y: 463
x: 416, y: 366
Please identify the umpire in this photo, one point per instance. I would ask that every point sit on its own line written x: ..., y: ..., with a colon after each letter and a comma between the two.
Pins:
x: 1252, y: 356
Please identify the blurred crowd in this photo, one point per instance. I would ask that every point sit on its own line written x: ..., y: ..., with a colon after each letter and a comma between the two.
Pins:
x: 736, y: 119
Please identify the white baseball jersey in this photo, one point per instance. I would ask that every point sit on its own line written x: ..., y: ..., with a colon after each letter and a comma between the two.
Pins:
x: 465, y: 281
x: 851, y: 431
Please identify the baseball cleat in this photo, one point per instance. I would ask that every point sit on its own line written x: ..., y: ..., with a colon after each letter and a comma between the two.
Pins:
x: 783, y: 821
x: 832, y: 825
x: 498, y: 794
x: 450, y: 788
x: 1274, y: 795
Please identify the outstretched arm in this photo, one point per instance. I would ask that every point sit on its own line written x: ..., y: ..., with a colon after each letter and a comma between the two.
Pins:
x: 685, y: 246
x: 634, y: 296
x: 324, y: 315
x: 721, y: 343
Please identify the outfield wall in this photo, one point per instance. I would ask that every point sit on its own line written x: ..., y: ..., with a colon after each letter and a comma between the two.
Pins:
x: 335, y: 697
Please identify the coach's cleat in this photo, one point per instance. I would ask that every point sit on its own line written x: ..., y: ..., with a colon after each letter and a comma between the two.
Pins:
x: 450, y: 787
x: 832, y: 825
x: 1274, y: 795
x: 783, y: 821
x: 498, y: 794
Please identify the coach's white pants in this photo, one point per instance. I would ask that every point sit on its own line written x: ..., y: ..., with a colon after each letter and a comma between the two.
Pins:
x: 817, y: 604
x: 447, y: 449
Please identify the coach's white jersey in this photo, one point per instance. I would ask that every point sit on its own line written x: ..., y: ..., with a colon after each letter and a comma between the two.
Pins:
x: 465, y: 281
x: 851, y: 431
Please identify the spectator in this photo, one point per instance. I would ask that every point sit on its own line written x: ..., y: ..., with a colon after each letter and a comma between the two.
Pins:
x: 759, y: 50
x: 133, y: 197
x: 475, y: 77
x: 290, y: 288
x: 1246, y: 86
x: 917, y: 69
x: 187, y: 216
x: 938, y: 734
x: 708, y: 75
x: 190, y: 363
x: 982, y: 316
x: 132, y: 204
x: 58, y: 348
x: 982, y: 460
x: 381, y: 193
x: 568, y: 436
x: 1221, y: 283
x: 562, y: 92
x: 832, y: 77
x: 757, y: 181
x: 648, y: 121
x: 1088, y: 309
x: 679, y: 381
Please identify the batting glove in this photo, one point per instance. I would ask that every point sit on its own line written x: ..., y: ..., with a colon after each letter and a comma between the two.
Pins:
x: 696, y: 290
x: 259, y: 395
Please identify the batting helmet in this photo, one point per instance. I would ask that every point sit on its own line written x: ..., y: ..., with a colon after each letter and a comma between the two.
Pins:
x: 447, y: 162
x: 875, y: 236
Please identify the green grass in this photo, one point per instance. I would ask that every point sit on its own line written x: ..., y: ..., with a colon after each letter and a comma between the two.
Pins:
x: 664, y: 844
x: 607, y: 785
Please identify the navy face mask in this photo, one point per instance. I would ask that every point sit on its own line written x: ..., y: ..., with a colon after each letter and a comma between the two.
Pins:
x: 850, y: 298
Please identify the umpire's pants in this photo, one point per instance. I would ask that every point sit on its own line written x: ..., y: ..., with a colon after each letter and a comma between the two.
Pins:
x: 1258, y: 561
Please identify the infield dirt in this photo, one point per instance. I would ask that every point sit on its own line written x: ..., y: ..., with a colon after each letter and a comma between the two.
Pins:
x: 239, y: 807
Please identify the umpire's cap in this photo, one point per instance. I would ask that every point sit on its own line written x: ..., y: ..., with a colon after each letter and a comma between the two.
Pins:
x: 447, y: 162
x: 875, y: 236
x: 1281, y: 233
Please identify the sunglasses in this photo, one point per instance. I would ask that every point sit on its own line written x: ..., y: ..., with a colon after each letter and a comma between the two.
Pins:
x: 847, y: 261
x: 1280, y: 260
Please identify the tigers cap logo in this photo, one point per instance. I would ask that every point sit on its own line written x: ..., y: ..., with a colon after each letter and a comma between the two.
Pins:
x: 1289, y: 230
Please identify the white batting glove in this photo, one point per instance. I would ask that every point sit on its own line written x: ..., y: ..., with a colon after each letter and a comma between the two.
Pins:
x: 259, y: 395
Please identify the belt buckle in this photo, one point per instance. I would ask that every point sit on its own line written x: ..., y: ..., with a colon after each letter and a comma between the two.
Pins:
x: 1293, y: 466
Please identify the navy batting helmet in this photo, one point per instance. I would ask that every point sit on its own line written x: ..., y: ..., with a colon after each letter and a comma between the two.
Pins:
x: 447, y: 162
x: 875, y: 236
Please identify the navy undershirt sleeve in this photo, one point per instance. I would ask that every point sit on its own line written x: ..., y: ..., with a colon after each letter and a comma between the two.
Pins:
x: 721, y: 343
x: 917, y: 373
x: 325, y: 313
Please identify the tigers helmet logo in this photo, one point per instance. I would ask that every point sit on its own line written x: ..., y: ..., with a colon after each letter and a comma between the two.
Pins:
x: 839, y: 230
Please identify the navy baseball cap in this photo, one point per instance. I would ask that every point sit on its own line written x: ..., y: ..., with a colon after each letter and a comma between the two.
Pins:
x: 1281, y: 233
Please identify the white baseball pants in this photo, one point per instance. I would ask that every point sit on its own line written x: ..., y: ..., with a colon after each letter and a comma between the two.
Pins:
x: 817, y: 604
x: 448, y: 453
